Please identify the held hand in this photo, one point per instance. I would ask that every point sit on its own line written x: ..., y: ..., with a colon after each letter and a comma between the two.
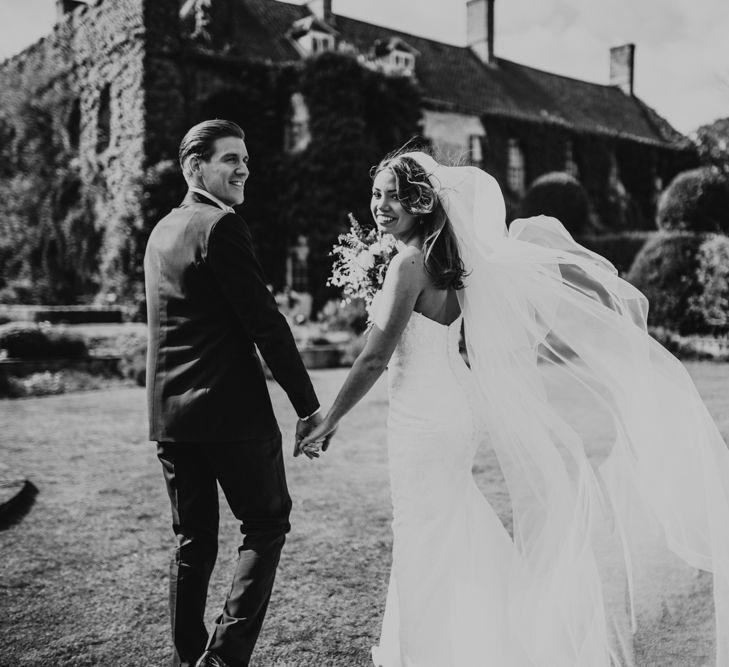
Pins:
x: 303, y: 428
x: 318, y: 437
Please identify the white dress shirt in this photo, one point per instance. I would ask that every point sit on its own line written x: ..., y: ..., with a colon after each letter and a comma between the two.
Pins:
x: 205, y: 193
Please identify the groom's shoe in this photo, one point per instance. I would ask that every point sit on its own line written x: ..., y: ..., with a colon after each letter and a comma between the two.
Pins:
x: 209, y: 659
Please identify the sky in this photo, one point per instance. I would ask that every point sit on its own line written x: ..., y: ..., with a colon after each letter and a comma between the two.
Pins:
x: 681, y: 57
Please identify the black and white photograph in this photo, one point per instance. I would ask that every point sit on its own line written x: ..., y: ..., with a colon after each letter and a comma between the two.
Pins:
x: 364, y: 333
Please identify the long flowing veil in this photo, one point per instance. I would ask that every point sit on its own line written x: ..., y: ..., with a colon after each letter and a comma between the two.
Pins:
x: 542, y: 314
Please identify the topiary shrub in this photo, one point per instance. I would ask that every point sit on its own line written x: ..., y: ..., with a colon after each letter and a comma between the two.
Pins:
x: 713, y: 276
x: 620, y: 249
x: 23, y: 340
x: 697, y: 201
x: 685, y: 277
x: 559, y: 195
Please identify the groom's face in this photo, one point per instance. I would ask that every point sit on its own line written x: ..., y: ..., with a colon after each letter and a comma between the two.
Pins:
x: 224, y: 174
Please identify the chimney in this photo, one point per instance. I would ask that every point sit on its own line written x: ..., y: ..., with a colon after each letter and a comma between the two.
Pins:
x: 322, y: 9
x: 480, y: 29
x: 622, y: 59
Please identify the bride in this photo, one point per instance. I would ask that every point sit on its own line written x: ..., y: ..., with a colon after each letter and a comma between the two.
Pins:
x: 541, y: 314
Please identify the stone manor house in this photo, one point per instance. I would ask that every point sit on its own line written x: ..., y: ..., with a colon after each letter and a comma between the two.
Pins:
x: 113, y: 69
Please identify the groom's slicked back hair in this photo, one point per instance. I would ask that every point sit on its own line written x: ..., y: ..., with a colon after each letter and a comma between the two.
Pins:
x: 200, y: 139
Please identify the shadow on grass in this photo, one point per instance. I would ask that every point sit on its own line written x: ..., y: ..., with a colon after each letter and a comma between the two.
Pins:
x: 15, y: 509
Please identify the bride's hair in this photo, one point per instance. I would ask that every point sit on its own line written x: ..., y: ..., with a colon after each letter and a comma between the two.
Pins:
x: 418, y: 197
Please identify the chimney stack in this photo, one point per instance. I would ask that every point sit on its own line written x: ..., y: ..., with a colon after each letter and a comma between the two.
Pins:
x: 322, y: 9
x: 480, y: 29
x: 622, y: 60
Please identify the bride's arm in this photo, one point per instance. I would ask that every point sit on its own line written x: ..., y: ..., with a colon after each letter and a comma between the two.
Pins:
x: 403, y: 284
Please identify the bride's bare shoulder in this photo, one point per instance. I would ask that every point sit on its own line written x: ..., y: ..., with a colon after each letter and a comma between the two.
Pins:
x: 408, y: 256
x: 408, y: 264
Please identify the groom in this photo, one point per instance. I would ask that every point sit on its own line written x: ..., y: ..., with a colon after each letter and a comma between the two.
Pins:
x: 209, y: 409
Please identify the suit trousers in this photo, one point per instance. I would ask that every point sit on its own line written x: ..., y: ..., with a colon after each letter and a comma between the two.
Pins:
x: 252, y: 477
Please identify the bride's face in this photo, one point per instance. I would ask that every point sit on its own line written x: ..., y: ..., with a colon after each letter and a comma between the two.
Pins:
x: 388, y: 212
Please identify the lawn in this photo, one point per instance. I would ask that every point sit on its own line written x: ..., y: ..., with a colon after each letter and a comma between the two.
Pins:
x: 83, y: 576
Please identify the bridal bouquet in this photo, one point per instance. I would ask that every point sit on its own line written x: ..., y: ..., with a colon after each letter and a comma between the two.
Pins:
x: 361, y: 257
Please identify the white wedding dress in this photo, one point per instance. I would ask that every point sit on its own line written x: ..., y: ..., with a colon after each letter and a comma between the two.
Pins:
x: 543, y: 317
x: 447, y: 601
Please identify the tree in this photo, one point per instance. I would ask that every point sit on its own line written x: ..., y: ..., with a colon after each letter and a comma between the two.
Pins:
x: 696, y: 200
x: 559, y: 195
x: 712, y: 141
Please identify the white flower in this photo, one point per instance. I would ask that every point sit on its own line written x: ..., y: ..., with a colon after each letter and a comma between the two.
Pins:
x: 366, y: 259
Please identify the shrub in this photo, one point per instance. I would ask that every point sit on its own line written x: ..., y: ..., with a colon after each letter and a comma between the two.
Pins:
x: 47, y: 383
x: 620, y: 249
x: 692, y: 347
x: 686, y: 280
x: 712, y: 301
x: 697, y: 201
x: 25, y: 340
x: 559, y: 195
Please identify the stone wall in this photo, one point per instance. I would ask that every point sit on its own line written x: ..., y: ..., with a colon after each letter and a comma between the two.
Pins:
x: 93, y: 59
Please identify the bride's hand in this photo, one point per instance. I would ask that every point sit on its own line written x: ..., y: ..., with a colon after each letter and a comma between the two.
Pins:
x: 318, y: 438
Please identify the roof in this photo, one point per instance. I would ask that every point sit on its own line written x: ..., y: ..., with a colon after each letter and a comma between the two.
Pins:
x: 453, y: 77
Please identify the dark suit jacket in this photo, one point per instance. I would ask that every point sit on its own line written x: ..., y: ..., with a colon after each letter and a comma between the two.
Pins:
x: 208, y: 307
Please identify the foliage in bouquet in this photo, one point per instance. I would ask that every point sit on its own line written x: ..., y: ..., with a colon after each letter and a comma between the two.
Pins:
x: 361, y: 257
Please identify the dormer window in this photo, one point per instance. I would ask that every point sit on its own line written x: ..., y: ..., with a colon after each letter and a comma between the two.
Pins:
x: 312, y: 36
x: 393, y: 56
x: 403, y: 60
x: 321, y: 42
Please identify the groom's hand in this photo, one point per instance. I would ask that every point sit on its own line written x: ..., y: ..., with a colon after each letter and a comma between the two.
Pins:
x: 317, y: 438
x: 303, y: 428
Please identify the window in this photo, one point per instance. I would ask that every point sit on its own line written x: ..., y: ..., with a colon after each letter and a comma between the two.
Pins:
x: 515, y: 169
x: 402, y: 60
x: 297, y: 135
x: 103, y: 125
x: 475, y: 150
x: 614, y: 174
x: 73, y: 126
x: 321, y: 43
x: 570, y: 166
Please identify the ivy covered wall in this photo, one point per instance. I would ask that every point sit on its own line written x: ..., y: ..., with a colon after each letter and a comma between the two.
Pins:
x: 631, y: 207
x: 72, y: 119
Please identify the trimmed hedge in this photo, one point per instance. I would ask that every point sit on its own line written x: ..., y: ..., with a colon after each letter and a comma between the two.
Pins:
x: 685, y: 277
x: 24, y: 340
x: 697, y: 201
x: 620, y: 249
x: 559, y: 195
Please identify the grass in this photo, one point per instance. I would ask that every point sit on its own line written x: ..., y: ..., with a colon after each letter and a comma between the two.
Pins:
x: 83, y: 576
